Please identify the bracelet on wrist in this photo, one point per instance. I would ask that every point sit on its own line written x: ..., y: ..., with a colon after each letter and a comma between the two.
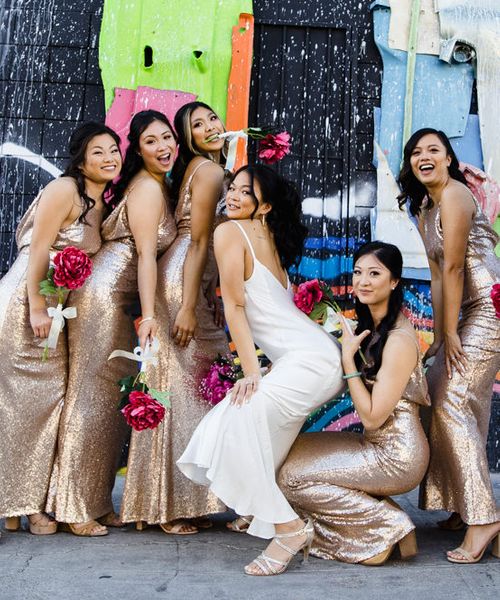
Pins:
x: 351, y: 375
x: 144, y: 319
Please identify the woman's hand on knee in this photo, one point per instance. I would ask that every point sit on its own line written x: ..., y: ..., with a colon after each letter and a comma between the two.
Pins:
x: 244, y: 389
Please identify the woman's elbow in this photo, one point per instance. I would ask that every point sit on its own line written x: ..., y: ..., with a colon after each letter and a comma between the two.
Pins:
x: 372, y: 423
x: 453, y: 269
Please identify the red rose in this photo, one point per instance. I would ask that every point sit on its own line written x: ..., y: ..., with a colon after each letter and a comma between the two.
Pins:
x: 143, y: 411
x: 274, y: 147
x: 72, y: 267
x: 495, y: 296
x: 308, y: 294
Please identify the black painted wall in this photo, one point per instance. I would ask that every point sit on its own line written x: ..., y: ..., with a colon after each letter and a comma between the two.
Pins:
x: 50, y: 81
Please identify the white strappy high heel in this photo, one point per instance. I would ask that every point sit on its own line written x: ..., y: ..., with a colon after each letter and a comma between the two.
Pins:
x: 273, y: 566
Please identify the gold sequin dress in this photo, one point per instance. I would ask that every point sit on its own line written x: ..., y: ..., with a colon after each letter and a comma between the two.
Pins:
x: 92, y: 430
x: 458, y: 479
x: 31, y: 391
x: 340, y: 478
x: 155, y: 490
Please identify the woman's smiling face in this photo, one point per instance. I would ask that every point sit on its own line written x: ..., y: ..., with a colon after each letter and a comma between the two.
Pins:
x: 205, y: 125
x: 157, y: 147
x: 429, y: 160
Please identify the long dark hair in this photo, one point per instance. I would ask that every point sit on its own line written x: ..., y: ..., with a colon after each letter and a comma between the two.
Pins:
x: 133, y: 162
x: 187, y: 149
x: 390, y: 256
x: 412, y: 189
x: 78, y: 142
x: 284, y: 219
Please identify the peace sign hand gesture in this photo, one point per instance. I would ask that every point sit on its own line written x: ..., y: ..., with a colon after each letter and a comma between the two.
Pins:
x: 350, y: 342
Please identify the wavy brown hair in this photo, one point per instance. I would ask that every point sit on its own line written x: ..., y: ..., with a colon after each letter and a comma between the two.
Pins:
x: 411, y: 188
x: 78, y: 143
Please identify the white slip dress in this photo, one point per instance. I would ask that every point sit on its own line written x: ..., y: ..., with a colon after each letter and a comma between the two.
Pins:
x: 237, y: 451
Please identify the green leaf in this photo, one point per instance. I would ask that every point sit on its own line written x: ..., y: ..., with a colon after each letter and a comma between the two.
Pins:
x: 123, y: 402
x: 318, y: 312
x: 47, y: 288
x: 126, y: 383
x: 161, y: 397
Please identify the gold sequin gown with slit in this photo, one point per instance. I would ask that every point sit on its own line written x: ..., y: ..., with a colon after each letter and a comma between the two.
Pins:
x: 155, y: 490
x: 92, y: 430
x: 340, y: 479
x: 31, y: 391
x: 458, y: 479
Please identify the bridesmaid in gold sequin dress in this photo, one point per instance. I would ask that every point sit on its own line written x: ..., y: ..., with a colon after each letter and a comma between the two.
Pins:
x: 343, y: 480
x: 191, y: 335
x: 68, y: 212
x: 93, y: 431
x: 460, y: 247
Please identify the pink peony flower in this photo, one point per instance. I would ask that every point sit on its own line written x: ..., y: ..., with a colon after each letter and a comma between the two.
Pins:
x: 273, y: 148
x: 495, y: 296
x: 72, y: 267
x: 308, y: 294
x: 143, y: 411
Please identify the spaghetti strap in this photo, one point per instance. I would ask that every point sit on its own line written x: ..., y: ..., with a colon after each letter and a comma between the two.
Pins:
x: 188, y: 184
x: 247, y: 239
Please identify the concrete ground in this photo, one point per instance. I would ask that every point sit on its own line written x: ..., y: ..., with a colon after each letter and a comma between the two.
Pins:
x: 132, y: 565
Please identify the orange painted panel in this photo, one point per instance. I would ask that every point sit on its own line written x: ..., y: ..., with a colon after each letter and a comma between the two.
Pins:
x: 238, y: 90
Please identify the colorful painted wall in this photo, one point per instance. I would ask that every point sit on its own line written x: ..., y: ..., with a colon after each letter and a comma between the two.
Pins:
x: 340, y: 77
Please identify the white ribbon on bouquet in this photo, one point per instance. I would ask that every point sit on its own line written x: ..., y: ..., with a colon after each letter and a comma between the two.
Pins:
x: 233, y: 137
x: 58, y: 314
x: 148, y: 355
x: 332, y: 321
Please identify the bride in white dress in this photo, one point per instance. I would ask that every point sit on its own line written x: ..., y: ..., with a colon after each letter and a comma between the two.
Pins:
x: 239, y: 446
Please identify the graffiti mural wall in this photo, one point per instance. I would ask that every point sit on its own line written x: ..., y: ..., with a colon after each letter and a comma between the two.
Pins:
x: 340, y: 77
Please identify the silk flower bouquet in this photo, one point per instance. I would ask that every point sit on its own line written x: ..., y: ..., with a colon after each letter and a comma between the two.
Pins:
x: 70, y: 269
x: 315, y: 298
x: 142, y: 407
x: 273, y: 147
x: 222, y: 374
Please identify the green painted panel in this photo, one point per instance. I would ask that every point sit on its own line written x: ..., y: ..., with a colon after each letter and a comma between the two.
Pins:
x: 190, y: 41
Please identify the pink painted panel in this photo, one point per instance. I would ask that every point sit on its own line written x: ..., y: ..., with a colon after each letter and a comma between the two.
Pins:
x: 127, y: 103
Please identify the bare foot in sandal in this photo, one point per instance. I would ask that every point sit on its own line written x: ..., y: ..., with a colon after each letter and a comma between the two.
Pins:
x: 89, y: 529
x: 179, y: 527
x: 111, y: 519
x: 239, y: 525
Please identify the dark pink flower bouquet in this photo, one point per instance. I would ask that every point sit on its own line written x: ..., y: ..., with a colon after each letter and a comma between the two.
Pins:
x: 274, y: 147
x: 220, y: 378
x: 495, y: 297
x: 71, y: 268
x: 315, y: 298
x: 142, y: 407
x: 223, y: 374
